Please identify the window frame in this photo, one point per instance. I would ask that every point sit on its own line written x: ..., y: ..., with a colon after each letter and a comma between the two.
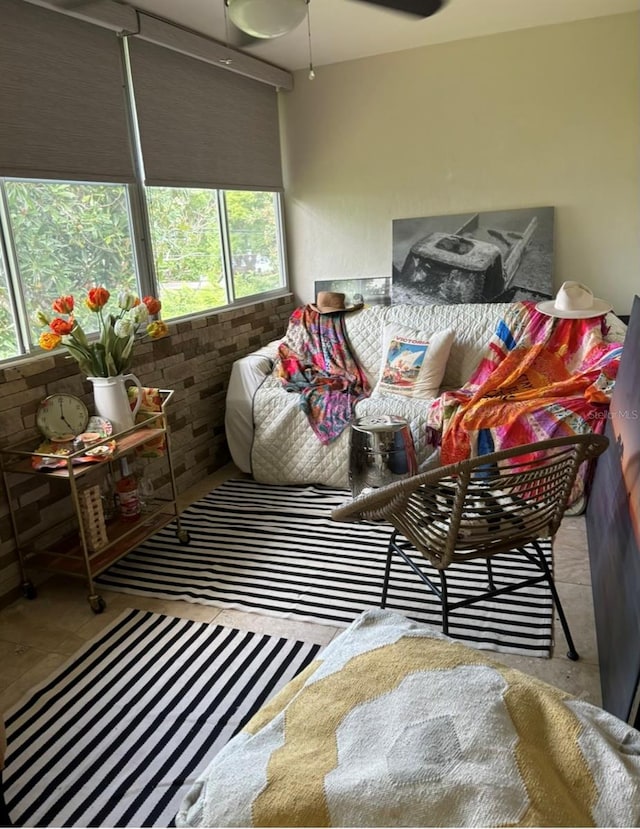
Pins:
x: 17, y: 303
x: 143, y: 257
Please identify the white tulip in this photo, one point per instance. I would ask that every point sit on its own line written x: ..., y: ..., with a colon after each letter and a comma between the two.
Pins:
x: 139, y: 314
x: 126, y: 300
x: 123, y: 328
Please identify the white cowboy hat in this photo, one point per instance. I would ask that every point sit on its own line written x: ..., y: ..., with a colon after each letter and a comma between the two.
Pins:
x: 329, y: 302
x: 574, y: 301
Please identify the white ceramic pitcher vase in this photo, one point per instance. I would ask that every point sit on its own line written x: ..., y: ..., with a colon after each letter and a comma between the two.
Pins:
x: 111, y: 400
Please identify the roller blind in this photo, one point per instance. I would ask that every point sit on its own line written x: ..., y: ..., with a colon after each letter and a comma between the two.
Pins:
x: 63, y: 110
x: 201, y: 125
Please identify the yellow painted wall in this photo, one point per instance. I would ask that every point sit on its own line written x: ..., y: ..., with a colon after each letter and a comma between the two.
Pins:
x: 539, y: 117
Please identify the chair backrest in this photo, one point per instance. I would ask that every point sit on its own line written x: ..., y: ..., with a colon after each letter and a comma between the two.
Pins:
x: 484, y: 505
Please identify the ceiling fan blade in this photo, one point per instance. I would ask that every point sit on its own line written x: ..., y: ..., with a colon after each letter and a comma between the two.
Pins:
x: 418, y: 8
x: 70, y: 4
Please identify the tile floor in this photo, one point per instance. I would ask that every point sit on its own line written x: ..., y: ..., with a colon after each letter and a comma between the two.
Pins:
x: 37, y: 636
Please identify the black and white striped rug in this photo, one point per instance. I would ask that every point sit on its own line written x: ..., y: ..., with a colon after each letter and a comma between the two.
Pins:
x: 276, y: 550
x: 118, y: 734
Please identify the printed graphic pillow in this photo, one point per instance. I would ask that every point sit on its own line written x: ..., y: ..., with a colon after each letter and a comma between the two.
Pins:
x: 413, y: 362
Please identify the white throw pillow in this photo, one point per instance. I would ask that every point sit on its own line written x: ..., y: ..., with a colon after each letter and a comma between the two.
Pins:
x: 413, y: 362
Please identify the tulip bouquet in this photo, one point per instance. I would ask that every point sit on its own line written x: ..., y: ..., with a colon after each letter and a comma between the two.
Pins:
x: 111, y: 353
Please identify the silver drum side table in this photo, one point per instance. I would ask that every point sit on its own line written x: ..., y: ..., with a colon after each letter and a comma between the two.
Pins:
x: 381, y: 452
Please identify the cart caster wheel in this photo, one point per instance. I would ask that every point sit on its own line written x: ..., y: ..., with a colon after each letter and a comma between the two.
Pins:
x: 28, y: 590
x: 183, y: 536
x: 97, y: 603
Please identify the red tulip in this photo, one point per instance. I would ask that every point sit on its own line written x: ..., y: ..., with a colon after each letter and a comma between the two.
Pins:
x: 98, y: 297
x: 62, y: 327
x: 63, y: 305
x: 153, y: 305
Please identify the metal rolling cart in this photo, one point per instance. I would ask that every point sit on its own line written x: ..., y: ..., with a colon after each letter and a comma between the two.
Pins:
x: 94, y: 545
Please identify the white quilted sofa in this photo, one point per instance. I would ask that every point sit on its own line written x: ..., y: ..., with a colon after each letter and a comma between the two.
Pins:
x: 269, y: 435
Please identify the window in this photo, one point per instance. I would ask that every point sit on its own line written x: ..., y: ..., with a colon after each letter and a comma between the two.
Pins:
x: 187, y: 250
x: 253, y: 228
x: 68, y: 237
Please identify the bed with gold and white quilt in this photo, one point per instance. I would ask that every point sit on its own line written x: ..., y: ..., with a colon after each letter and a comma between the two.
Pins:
x: 397, y: 725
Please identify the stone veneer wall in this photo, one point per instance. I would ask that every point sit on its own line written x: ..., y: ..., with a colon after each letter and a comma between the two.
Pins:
x: 195, y: 360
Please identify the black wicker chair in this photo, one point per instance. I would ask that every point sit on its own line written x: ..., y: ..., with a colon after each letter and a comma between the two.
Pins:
x: 495, y: 503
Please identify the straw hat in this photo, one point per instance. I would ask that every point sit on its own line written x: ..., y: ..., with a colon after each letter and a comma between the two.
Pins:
x: 329, y: 302
x: 574, y: 301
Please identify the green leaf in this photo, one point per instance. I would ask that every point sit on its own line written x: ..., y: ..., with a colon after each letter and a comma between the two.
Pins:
x: 100, y: 360
x: 111, y: 366
x: 78, y: 334
x: 128, y: 348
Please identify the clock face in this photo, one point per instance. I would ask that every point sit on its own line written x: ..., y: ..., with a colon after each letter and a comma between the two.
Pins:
x: 62, y: 416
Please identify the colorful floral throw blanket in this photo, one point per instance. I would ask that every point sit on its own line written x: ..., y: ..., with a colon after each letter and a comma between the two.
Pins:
x: 541, y: 377
x: 315, y: 360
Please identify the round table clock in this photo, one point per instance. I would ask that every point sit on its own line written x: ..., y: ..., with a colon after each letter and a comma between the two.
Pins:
x: 62, y: 416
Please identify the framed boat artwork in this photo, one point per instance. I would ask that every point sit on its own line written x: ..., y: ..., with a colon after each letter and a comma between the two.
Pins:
x: 496, y: 256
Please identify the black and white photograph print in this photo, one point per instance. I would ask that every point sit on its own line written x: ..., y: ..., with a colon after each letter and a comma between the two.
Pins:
x: 372, y: 290
x: 494, y: 256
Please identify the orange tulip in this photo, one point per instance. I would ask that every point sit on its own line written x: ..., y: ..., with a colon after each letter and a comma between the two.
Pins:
x: 63, y: 305
x: 153, y: 305
x: 98, y: 297
x: 49, y: 341
x: 112, y: 352
x: 62, y: 327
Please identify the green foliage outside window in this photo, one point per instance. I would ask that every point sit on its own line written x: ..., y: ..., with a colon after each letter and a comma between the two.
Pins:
x: 69, y: 237
x: 8, y: 344
x: 253, y: 239
x: 185, y: 234
x: 187, y: 246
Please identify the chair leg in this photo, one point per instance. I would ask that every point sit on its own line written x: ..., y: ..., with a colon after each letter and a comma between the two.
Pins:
x: 490, y: 575
x: 572, y: 653
x: 444, y: 598
x: 394, y: 547
x: 387, y: 571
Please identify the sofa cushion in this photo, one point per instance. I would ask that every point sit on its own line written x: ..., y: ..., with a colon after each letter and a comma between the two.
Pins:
x: 413, y: 362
